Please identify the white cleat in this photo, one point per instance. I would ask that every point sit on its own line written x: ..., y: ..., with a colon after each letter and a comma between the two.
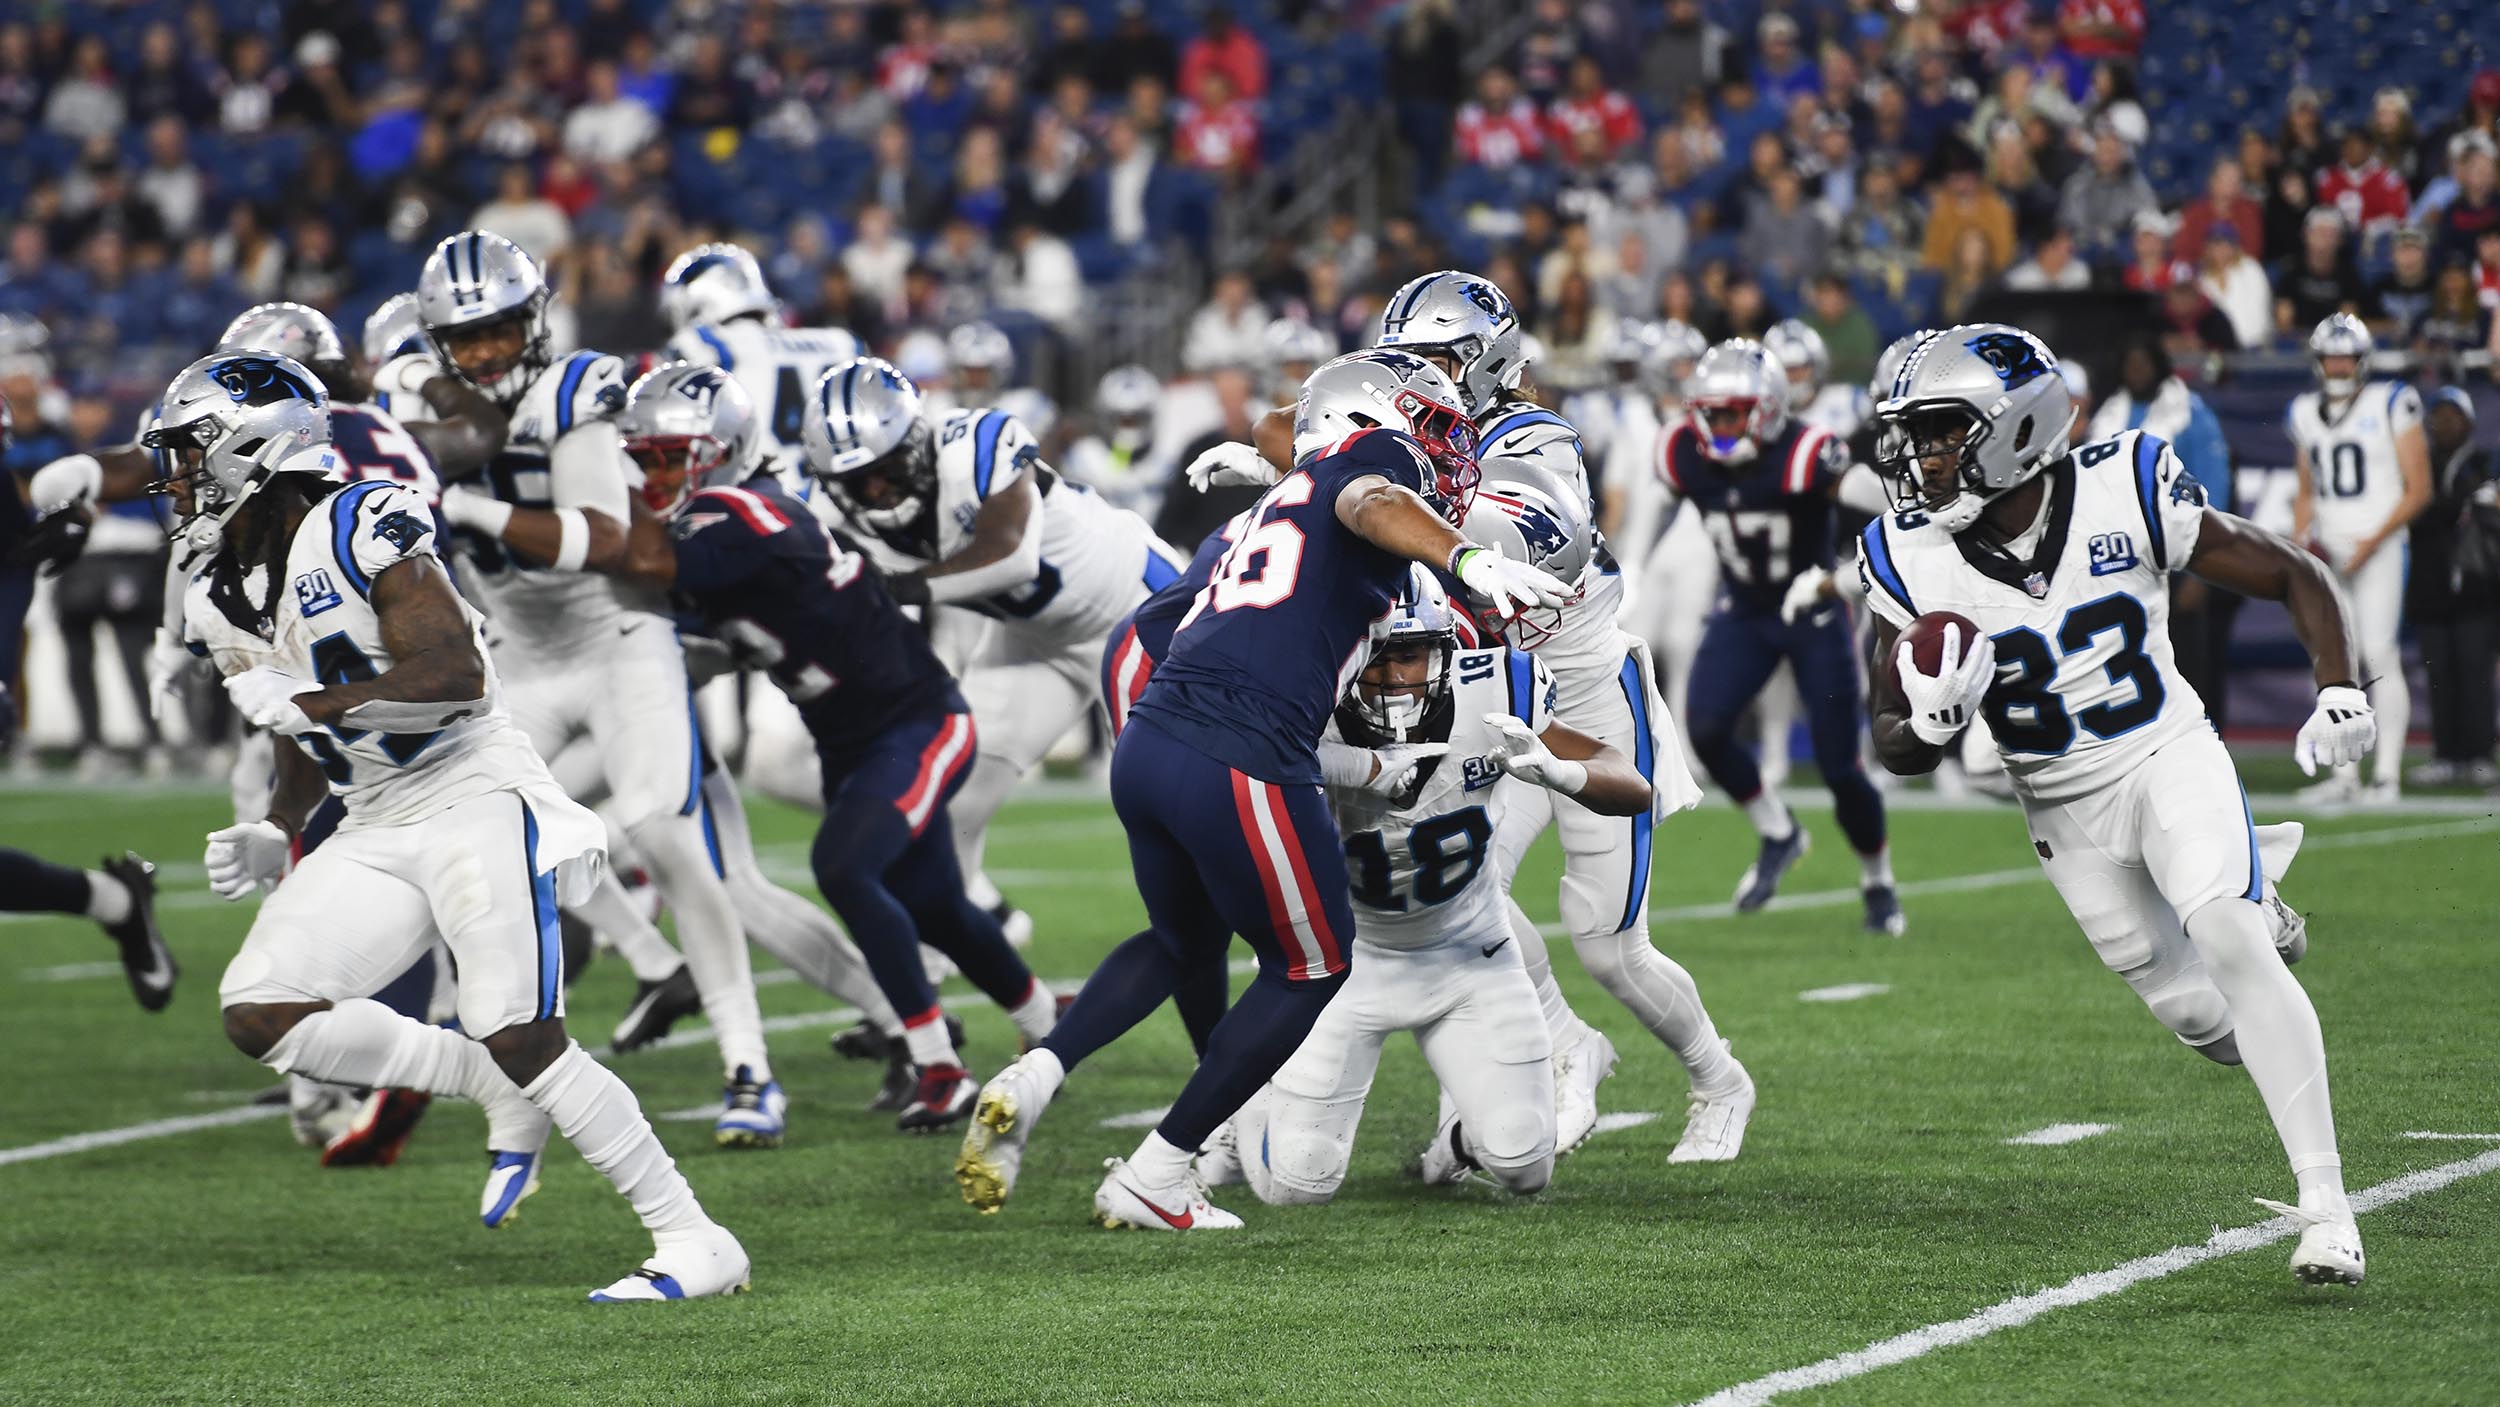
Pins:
x: 2334, y: 790
x: 2386, y: 791
x: 510, y: 1179
x: 1714, y: 1126
x: 1120, y: 1203
x: 1445, y: 1161
x: 1002, y: 1120
x: 1578, y: 1072
x: 2291, y: 931
x: 708, y: 1263
x: 2329, y: 1252
x: 1219, y: 1163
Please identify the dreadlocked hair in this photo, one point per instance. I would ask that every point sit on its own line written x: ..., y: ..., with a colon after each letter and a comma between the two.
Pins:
x: 264, y: 546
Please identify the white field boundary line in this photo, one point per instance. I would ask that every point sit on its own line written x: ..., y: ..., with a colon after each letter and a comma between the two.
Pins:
x: 134, y: 1133
x: 2453, y: 1137
x: 1845, y: 992
x: 2083, y: 1289
x: 2058, y: 1135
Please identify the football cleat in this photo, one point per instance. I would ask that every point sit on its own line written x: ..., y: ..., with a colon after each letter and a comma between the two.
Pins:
x: 1578, y: 1072
x: 1219, y: 1163
x: 2329, y: 1252
x: 510, y: 1179
x: 1002, y: 1121
x: 2336, y: 789
x: 146, y: 961
x: 943, y: 1095
x: 657, y: 1006
x: 2291, y: 931
x: 1714, y: 1126
x: 710, y: 1262
x: 2386, y: 791
x: 754, y: 1113
x: 1883, y: 911
x: 901, y: 1078
x: 1445, y: 1160
x: 1762, y: 878
x: 1058, y: 1012
x: 866, y: 1042
x: 319, y: 1112
x: 379, y: 1130
x: 1120, y: 1203
x: 1015, y: 923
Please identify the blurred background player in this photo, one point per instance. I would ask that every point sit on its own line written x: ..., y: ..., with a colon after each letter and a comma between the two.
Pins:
x: 981, y: 373
x: 1122, y: 459
x: 722, y: 313
x: 1813, y: 397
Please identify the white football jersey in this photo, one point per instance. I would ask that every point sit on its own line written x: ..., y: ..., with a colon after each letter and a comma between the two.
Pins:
x: 2352, y: 457
x: 1028, y: 405
x: 1582, y: 644
x: 1098, y: 562
x: 2086, y: 687
x: 1841, y: 409
x: 777, y: 365
x: 399, y: 384
x: 1618, y: 426
x: 323, y: 627
x: 1421, y: 873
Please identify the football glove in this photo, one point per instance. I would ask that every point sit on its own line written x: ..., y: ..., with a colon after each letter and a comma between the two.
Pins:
x: 243, y: 858
x: 1524, y: 755
x: 56, y: 540
x: 1231, y: 464
x: 1507, y: 587
x: 2340, y: 729
x: 1942, y: 704
x: 266, y: 698
x: 1806, y: 595
x: 171, y: 668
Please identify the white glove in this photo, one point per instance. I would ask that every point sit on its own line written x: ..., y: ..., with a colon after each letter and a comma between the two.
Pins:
x: 170, y: 667
x: 465, y: 507
x: 266, y: 698
x: 1805, y: 594
x: 1231, y: 464
x: 1395, y: 764
x: 1524, y: 755
x: 1943, y: 704
x: 244, y: 858
x: 2341, y: 729
x: 71, y: 482
x: 1506, y: 586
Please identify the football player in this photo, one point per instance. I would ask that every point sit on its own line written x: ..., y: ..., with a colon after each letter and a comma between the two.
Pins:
x: 2063, y: 563
x: 577, y: 657
x: 1671, y: 574
x: 1424, y: 755
x: 2365, y: 474
x: 722, y: 313
x: 893, y: 737
x: 1806, y: 365
x: 324, y: 607
x: 1764, y: 485
x: 1121, y: 460
x: 1216, y: 777
x: 393, y: 330
x: 981, y: 374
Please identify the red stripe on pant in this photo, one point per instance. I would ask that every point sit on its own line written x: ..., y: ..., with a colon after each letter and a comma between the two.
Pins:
x: 1131, y: 669
x: 1310, y: 958
x: 1331, y: 960
x: 944, y: 757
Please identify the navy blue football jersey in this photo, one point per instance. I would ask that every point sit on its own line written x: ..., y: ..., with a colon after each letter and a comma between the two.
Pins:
x: 769, y: 580
x: 1161, y: 614
x: 1769, y: 518
x: 1284, y: 621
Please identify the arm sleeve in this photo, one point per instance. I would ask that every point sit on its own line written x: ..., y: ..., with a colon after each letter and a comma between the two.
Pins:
x: 586, y: 469
x: 2174, y: 502
x: 390, y: 523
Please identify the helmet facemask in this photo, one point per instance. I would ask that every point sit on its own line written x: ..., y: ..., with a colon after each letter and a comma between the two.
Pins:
x: 1732, y: 428
x: 673, y: 467
x: 503, y: 376
x: 1448, y: 438
x: 1403, y: 694
x: 891, y: 491
x: 1928, y: 454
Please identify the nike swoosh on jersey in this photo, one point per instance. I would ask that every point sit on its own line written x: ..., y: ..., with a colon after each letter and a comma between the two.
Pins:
x: 1488, y: 952
x: 1183, y: 1222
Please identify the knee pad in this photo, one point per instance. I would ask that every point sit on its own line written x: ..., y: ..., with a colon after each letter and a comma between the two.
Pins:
x: 1293, y: 1165
x: 2188, y: 1004
x: 1522, y: 1179
x: 1514, y: 1150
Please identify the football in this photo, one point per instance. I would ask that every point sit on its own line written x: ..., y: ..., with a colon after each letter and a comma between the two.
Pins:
x: 1926, y: 637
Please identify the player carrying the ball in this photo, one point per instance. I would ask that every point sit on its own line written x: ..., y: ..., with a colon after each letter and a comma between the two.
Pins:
x: 2062, y: 563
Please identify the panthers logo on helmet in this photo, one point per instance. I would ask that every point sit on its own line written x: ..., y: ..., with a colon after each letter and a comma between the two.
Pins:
x: 2014, y: 359
x: 1485, y: 296
x: 260, y: 381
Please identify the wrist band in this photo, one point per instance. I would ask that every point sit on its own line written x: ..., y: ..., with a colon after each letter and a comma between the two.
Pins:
x: 573, y: 548
x: 1456, y: 555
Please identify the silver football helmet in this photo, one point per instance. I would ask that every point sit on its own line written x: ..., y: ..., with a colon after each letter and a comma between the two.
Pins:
x: 1376, y: 710
x: 289, y: 330
x: 1879, y: 389
x: 690, y: 428
x: 2341, y: 335
x: 1629, y: 349
x: 1292, y: 349
x: 713, y: 283
x: 230, y: 422
x: 868, y: 443
x: 1394, y: 390
x: 1468, y: 317
x: 394, y: 330
x: 1738, y: 400
x: 1799, y: 348
x: 980, y: 347
x: 1679, y: 348
x: 475, y: 280
x: 1125, y: 401
x: 1975, y: 410
x: 1530, y: 514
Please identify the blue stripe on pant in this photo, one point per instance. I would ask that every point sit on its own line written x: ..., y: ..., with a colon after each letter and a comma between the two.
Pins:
x: 543, y: 911
x: 1645, y: 758
x: 1739, y: 652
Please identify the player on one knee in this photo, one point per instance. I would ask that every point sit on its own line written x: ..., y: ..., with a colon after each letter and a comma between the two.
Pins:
x: 325, y: 608
x: 2062, y: 561
x: 1429, y: 748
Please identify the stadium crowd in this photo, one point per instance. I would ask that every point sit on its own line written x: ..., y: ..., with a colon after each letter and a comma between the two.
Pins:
x: 906, y: 168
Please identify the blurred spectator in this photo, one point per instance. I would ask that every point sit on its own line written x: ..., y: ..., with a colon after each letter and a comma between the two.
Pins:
x: 248, y: 253
x: 2392, y: 134
x: 2226, y: 197
x: 2034, y: 201
x: 1576, y: 333
x: 1036, y: 274
x: 97, y: 197
x: 2101, y: 201
x: 963, y: 262
x: 197, y: 302
x: 1499, y: 128
x: 2192, y: 327
x: 608, y: 126
x: 2289, y: 200
x: 2476, y: 205
x: 2052, y: 268
x: 2372, y: 198
x: 1781, y: 69
x: 316, y: 264
x: 1545, y: 52
x: 707, y: 95
x: 1940, y: 100
x: 1971, y: 273
x: 2479, y: 117
x: 2322, y: 279
x: 2237, y: 286
x: 21, y: 92
x: 2102, y: 29
x: 1129, y: 167
x: 2153, y: 268
x: 87, y: 100
x: 1880, y: 238
x: 837, y: 302
x: 1588, y: 105
x: 1225, y: 332
x: 2456, y: 323
x: 163, y: 84
x: 2114, y: 100
x: 2401, y: 297
x: 1783, y: 237
x: 318, y: 95
x: 1069, y: 51
x: 2045, y: 56
x: 877, y: 257
x: 520, y: 214
x: 1426, y: 79
x: 1219, y: 133
x: 1683, y: 55
x: 1138, y: 49
x: 1831, y: 168
x: 1224, y: 49
x: 1964, y: 205
x: 979, y: 192
x: 1186, y: 518
x: 941, y: 105
x: 1848, y: 334
x: 897, y: 182
x: 2304, y: 144
x: 2452, y: 594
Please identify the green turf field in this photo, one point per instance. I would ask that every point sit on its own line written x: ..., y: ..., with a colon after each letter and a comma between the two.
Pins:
x: 1877, y: 1195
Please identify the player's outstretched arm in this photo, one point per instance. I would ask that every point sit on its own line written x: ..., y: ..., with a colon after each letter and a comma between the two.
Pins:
x: 1898, y: 746
x: 2236, y: 554
x: 1608, y: 783
x: 1005, y: 551
x: 641, y: 553
x: 437, y: 676
x: 1396, y: 519
x: 467, y: 430
x: 587, y: 482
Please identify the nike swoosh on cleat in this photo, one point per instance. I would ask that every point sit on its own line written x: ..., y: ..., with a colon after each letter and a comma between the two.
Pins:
x: 1488, y: 952
x: 160, y: 973
x: 1182, y: 1222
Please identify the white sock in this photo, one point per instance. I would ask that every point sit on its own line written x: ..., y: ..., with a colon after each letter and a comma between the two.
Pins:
x: 928, y: 1042
x: 1157, y: 1163
x: 1875, y: 869
x: 1044, y: 1064
x: 810, y: 943
x: 1657, y: 990
x: 1036, y: 1014
x: 1770, y: 815
x: 2391, y: 698
x: 1563, y: 1026
x: 594, y: 1109
x: 362, y: 1042
x: 715, y: 944
x: 611, y: 910
x: 108, y: 899
x: 2279, y: 1042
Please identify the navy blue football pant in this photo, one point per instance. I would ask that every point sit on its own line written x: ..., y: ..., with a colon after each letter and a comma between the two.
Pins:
x: 32, y: 886
x: 885, y: 859
x: 1218, y: 852
x: 1739, y: 651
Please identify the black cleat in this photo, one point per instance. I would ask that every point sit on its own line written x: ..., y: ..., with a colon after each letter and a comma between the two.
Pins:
x: 942, y: 1096
x: 145, y: 959
x: 1761, y: 880
x: 866, y: 1042
x: 657, y: 1006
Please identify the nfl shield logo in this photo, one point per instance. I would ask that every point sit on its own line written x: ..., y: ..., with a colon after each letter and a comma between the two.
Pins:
x: 2037, y: 585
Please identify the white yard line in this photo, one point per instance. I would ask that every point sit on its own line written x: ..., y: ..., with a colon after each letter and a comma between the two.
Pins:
x: 2083, y: 1289
x: 1140, y: 1119
x: 2056, y: 1135
x: 2453, y: 1137
x: 70, y: 972
x: 154, y: 1128
x: 1845, y: 992
x: 1623, y: 1119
